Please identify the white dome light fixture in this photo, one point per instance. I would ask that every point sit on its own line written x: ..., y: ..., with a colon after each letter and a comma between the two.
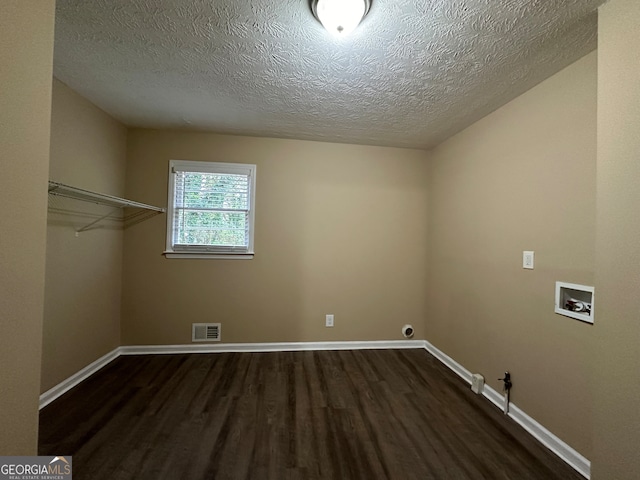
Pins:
x: 340, y: 17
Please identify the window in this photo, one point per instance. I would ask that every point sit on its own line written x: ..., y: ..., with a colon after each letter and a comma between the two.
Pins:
x: 211, y: 209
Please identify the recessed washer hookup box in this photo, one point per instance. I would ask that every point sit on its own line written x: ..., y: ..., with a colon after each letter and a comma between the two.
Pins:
x: 575, y: 301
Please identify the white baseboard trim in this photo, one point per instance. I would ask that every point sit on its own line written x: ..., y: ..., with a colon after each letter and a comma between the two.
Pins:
x: 544, y: 436
x: 572, y: 457
x: 63, y: 387
x: 268, y: 347
x: 580, y: 464
x: 449, y: 362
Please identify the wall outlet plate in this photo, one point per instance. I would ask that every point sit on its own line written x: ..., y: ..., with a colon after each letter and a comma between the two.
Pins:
x: 328, y: 322
x: 477, y: 383
x: 527, y: 259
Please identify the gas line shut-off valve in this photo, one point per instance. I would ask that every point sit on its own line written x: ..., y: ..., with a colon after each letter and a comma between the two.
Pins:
x: 506, y: 388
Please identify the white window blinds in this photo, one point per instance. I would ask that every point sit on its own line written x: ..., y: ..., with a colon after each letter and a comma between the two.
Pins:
x: 212, y: 207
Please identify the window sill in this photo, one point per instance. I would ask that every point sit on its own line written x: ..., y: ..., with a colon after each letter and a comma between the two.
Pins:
x: 209, y: 256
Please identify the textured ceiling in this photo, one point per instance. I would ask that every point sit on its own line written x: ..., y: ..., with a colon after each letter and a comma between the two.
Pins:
x: 414, y: 72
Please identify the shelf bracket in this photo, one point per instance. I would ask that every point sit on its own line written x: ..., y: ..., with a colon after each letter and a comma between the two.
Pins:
x: 97, y: 220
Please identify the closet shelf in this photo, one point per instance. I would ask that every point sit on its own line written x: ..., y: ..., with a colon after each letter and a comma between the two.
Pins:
x: 62, y: 190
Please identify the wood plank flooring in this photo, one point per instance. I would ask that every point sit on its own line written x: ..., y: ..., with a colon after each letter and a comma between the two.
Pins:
x: 364, y: 414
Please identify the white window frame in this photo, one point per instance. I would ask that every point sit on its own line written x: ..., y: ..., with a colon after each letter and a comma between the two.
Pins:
x: 203, y: 251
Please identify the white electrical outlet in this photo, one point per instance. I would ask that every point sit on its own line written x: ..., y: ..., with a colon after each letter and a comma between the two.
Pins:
x: 477, y: 383
x: 527, y: 260
x: 328, y: 321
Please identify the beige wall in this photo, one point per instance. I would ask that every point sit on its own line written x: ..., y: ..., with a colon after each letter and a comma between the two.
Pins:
x: 522, y: 178
x: 26, y: 53
x: 340, y: 229
x: 616, y: 359
x: 84, y: 273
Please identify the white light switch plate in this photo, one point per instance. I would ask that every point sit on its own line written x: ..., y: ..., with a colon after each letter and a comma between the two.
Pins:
x: 527, y: 260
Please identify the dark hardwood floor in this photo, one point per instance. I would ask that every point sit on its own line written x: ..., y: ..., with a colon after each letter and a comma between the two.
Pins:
x: 364, y: 414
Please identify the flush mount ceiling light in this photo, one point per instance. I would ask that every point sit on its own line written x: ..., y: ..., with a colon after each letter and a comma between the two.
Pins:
x: 340, y: 17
